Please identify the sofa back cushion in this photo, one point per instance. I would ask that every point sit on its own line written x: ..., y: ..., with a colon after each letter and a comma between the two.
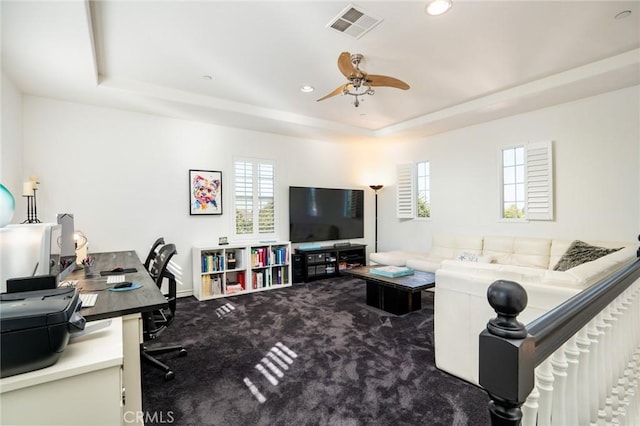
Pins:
x: 448, y: 246
x: 518, y: 251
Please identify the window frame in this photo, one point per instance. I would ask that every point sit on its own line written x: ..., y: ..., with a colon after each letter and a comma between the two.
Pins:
x: 502, y: 183
x: 538, y: 182
x: 427, y: 190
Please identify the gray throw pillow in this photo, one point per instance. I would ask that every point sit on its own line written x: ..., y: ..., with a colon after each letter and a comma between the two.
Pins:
x: 580, y: 252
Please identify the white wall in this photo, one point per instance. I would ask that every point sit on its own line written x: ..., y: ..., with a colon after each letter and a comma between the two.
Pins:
x: 124, y: 175
x: 11, y: 173
x: 597, y: 177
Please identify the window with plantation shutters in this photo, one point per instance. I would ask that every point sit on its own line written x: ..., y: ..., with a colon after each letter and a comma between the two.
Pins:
x: 254, y: 197
x: 527, y: 182
x: 405, y: 192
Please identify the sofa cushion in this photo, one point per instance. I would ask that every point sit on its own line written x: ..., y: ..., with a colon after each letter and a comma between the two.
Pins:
x: 580, y: 252
x: 393, y: 258
x: 533, y: 252
x: 498, y: 248
x: 446, y: 246
x: 424, y: 264
x: 518, y: 251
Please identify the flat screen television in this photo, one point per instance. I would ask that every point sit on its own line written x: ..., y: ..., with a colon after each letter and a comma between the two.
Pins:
x: 325, y: 214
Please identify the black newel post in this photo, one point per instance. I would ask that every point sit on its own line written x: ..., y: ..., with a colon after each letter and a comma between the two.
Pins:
x: 506, y: 354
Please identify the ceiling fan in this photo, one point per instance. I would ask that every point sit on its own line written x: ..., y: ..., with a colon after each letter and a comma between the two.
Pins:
x: 360, y: 83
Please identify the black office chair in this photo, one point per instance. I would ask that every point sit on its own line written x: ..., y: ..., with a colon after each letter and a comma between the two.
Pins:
x: 153, y: 253
x: 155, y: 323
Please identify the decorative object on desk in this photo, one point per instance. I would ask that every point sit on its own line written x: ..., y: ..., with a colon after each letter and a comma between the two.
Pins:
x: 7, y: 206
x: 133, y: 286
x: 223, y: 241
x: 29, y: 190
x: 87, y: 263
x: 376, y: 188
x: 205, y: 192
x: 80, y: 241
x: 392, y: 271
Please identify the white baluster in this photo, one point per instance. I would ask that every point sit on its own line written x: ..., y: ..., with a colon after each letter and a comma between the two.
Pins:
x: 530, y: 408
x: 560, y: 366
x: 584, y: 376
x: 615, y: 368
x: 602, y: 366
x: 572, y: 354
x: 544, y: 380
x: 594, y: 368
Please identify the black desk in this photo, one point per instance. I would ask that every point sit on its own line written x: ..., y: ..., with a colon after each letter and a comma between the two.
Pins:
x: 111, y: 304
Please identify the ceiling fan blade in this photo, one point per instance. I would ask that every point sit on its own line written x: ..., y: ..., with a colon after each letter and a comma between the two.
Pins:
x: 383, y: 80
x: 337, y: 91
x: 346, y: 67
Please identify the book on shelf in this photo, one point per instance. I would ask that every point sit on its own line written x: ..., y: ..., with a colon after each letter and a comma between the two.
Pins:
x: 279, y: 255
x: 216, y: 286
x: 212, y: 262
x: 241, y: 280
x: 206, y: 285
x: 234, y: 288
x: 258, y: 257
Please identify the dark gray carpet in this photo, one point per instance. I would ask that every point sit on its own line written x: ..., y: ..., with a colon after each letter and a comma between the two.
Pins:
x: 355, y: 365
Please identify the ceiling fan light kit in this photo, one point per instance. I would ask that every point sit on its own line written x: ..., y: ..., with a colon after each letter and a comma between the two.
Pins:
x: 437, y: 7
x: 359, y: 82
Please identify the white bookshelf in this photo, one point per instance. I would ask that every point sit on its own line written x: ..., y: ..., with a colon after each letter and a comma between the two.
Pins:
x: 234, y: 269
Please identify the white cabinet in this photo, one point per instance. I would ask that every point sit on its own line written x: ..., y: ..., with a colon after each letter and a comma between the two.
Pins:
x: 221, y: 271
x: 84, y: 387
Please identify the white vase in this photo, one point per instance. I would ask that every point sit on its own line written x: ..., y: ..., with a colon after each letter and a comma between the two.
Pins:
x: 7, y: 206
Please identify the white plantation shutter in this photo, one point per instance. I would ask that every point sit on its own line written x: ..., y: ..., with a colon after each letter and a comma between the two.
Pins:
x: 539, y: 166
x: 266, y: 200
x: 405, y: 192
x: 243, y: 192
x: 254, y: 196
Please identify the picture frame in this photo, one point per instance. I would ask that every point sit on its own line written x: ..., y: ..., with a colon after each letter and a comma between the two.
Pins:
x: 222, y: 241
x: 205, y: 192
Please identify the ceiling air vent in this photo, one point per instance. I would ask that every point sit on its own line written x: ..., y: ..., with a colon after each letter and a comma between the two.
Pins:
x: 354, y: 21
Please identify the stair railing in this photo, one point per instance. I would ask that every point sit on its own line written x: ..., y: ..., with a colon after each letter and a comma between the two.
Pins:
x: 578, y: 364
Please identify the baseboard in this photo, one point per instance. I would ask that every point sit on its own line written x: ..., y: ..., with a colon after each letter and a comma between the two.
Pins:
x: 184, y: 293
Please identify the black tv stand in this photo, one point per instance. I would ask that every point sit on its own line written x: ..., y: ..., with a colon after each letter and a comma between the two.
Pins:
x: 326, y: 262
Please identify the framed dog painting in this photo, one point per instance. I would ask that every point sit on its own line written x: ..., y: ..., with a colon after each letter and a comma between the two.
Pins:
x: 205, y: 192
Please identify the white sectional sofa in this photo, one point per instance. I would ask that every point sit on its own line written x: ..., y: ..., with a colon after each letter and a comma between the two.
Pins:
x: 461, y: 306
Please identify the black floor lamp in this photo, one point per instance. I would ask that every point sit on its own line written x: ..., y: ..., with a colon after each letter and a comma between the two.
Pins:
x: 376, y: 188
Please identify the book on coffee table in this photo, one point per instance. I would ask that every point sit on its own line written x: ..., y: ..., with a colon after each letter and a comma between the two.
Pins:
x: 391, y: 271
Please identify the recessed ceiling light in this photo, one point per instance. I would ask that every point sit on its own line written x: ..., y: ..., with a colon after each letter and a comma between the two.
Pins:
x: 437, y: 7
x: 307, y: 89
x: 623, y: 14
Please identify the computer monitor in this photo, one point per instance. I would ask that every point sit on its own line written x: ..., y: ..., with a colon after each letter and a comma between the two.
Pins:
x: 30, y: 250
x: 26, y: 251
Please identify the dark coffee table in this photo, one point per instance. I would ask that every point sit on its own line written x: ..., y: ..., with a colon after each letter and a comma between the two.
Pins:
x: 399, y: 295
